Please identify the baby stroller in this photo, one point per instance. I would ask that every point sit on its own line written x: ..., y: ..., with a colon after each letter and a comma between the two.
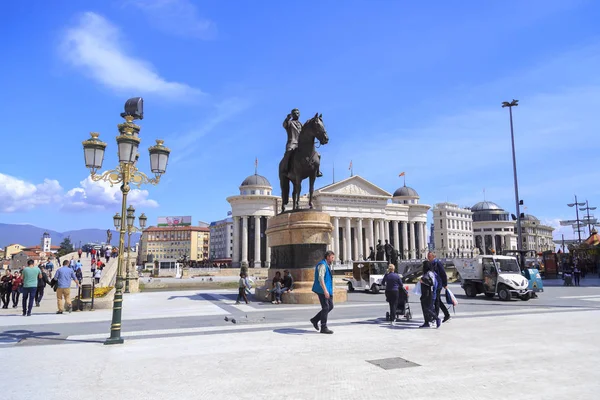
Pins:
x: 568, y: 279
x: 403, y: 309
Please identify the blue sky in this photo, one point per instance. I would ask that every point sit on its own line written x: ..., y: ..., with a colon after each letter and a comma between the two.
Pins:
x: 402, y: 87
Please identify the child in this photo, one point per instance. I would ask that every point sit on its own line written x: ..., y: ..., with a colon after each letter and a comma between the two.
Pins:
x: 242, y: 286
x: 97, y: 276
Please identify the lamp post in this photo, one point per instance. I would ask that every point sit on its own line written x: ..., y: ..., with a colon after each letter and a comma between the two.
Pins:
x: 577, y: 205
x: 131, y: 228
x: 125, y: 173
x: 587, y: 208
x: 510, y: 105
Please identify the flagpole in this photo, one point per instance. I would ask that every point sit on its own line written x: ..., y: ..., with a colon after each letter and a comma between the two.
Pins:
x: 333, y: 173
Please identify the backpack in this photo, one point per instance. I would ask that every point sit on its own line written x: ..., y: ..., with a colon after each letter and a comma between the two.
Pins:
x: 79, y: 274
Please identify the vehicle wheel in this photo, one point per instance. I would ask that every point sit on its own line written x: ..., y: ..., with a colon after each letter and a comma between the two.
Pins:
x: 387, y: 316
x: 526, y: 297
x: 470, y: 291
x: 489, y: 295
x: 504, y: 294
x: 375, y: 288
x: 350, y: 287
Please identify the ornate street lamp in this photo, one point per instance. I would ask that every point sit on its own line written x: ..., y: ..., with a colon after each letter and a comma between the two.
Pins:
x: 131, y: 228
x: 125, y: 174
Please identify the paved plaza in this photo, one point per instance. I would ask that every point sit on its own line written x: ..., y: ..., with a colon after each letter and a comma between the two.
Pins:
x: 178, y: 345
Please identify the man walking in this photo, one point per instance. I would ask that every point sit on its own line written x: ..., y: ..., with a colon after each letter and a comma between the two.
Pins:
x: 323, y: 287
x: 42, y: 281
x: 64, y: 275
x: 442, y: 282
x: 31, y: 274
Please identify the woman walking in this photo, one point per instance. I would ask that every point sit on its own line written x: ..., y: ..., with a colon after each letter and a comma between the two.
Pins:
x: 428, y: 296
x: 16, y: 288
x: 393, y: 283
x: 242, y: 286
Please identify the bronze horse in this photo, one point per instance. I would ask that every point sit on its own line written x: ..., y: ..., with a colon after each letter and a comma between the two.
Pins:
x: 304, y: 162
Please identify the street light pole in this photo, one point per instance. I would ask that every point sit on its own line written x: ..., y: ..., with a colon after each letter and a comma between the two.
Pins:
x: 131, y: 228
x: 510, y: 105
x: 125, y: 174
x: 587, y: 208
x: 577, y: 205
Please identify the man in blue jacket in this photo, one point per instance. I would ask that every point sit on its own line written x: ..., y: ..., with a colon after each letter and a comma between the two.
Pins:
x: 442, y: 282
x: 323, y: 287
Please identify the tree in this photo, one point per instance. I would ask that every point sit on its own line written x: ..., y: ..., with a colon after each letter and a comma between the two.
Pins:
x: 66, y: 247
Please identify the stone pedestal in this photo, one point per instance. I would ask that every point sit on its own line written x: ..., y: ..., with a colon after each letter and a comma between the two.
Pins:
x: 298, y: 242
x: 185, y: 273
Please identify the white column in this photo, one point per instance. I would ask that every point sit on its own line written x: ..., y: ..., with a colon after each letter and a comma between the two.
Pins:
x: 425, y: 246
x: 370, y: 239
x: 381, y: 232
x: 494, y: 243
x: 336, y: 237
x: 404, y: 240
x: 236, y: 240
x: 386, y: 230
x: 359, y: 235
x: 413, y: 253
x: 420, y: 234
x: 396, y: 236
x: 348, y: 249
x: 355, y: 251
x: 245, y: 240
x: 268, y: 246
x: 257, y: 260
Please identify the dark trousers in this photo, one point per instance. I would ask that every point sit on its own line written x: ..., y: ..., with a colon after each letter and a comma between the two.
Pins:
x: 439, y: 304
x: 242, y: 295
x: 392, y: 299
x: 39, y: 294
x: 326, y: 307
x: 15, y: 297
x: 28, y: 298
x: 427, y: 308
x: 577, y: 277
x: 5, y: 295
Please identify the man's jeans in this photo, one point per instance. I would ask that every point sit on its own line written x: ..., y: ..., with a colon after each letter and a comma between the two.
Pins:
x: 28, y: 298
x: 439, y: 303
x: 39, y: 294
x: 326, y: 307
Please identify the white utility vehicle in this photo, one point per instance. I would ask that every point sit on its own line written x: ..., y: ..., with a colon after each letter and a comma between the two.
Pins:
x: 492, y: 275
x: 367, y: 275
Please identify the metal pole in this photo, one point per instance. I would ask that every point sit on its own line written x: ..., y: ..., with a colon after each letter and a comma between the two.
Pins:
x: 514, y: 157
x: 577, y: 214
x: 115, y: 326
x: 127, y: 264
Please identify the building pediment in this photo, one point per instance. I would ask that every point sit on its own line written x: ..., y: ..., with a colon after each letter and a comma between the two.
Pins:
x: 353, y: 186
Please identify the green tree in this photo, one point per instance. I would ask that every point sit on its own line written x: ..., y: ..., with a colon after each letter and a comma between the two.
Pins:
x: 66, y: 247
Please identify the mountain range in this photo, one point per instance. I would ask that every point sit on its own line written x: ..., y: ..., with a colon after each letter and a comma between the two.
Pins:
x: 29, y: 235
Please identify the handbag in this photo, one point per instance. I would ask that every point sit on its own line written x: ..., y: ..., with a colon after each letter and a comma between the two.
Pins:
x: 417, y: 289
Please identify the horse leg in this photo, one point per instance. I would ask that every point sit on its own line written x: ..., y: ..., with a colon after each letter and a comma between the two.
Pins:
x: 297, y: 190
x: 285, y: 191
x: 311, y: 189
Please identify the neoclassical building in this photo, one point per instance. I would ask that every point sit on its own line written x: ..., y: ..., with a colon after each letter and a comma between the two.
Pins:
x: 493, y: 229
x: 453, y: 231
x: 536, y: 236
x: 361, y: 214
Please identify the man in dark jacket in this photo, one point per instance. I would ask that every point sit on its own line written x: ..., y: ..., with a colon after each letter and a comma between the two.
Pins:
x: 438, y: 269
x: 42, y: 281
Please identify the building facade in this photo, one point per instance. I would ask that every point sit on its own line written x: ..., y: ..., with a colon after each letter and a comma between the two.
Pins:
x: 362, y: 214
x: 536, y: 236
x: 46, y: 242
x: 169, y: 244
x: 221, y: 240
x: 13, y: 249
x: 492, y: 228
x: 453, y: 233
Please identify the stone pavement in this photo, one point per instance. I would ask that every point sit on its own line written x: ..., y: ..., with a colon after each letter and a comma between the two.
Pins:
x: 490, y: 350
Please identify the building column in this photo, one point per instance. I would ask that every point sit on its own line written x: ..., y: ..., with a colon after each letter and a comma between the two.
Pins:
x: 483, y: 246
x: 257, y: 260
x: 245, y: 240
x: 420, y: 236
x: 268, y: 247
x: 425, y: 244
x: 494, y: 244
x: 382, y: 231
x: 370, y: 239
x: 413, y: 254
x: 359, y: 235
x: 386, y: 230
x: 355, y: 251
x: 404, y: 240
x: 396, y: 236
x: 336, y: 238
x: 348, y: 249
x: 236, y: 240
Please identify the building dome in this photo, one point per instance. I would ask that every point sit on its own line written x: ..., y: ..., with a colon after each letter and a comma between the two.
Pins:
x: 529, y: 217
x: 486, y: 206
x: 256, y: 180
x: 406, y: 191
x: 488, y: 211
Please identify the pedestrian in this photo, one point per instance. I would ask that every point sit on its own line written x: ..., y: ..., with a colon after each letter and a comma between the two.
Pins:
x: 428, y: 296
x: 87, y: 252
x: 49, y: 267
x: 107, y: 256
x: 576, y: 274
x: 64, y: 276
x: 242, y: 286
x: 79, y: 253
x: 441, y: 282
x: 97, y: 276
x: 276, y: 288
x: 93, y: 268
x: 31, y: 274
x: 6, y: 283
x: 93, y: 253
x: 42, y: 281
x: 323, y: 287
x: 392, y: 283
x: 17, y: 287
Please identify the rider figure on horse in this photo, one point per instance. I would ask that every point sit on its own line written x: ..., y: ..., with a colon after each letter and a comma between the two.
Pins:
x: 293, y: 127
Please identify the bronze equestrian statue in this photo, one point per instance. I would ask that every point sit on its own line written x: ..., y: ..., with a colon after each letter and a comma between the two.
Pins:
x: 300, y: 160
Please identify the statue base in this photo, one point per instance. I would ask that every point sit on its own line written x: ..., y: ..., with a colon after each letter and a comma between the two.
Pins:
x: 298, y: 241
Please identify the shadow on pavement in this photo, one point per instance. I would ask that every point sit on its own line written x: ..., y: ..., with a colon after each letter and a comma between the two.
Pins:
x: 18, y: 335
x: 295, y: 331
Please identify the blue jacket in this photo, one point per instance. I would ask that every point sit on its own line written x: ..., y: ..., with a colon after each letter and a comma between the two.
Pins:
x: 328, y: 279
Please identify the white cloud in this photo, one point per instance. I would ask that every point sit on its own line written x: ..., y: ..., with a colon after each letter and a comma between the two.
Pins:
x: 18, y: 195
x: 94, y: 46
x: 176, y: 17
x: 101, y: 196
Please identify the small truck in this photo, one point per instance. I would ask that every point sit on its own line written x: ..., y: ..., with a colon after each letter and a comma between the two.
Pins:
x: 367, y: 276
x: 491, y: 275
